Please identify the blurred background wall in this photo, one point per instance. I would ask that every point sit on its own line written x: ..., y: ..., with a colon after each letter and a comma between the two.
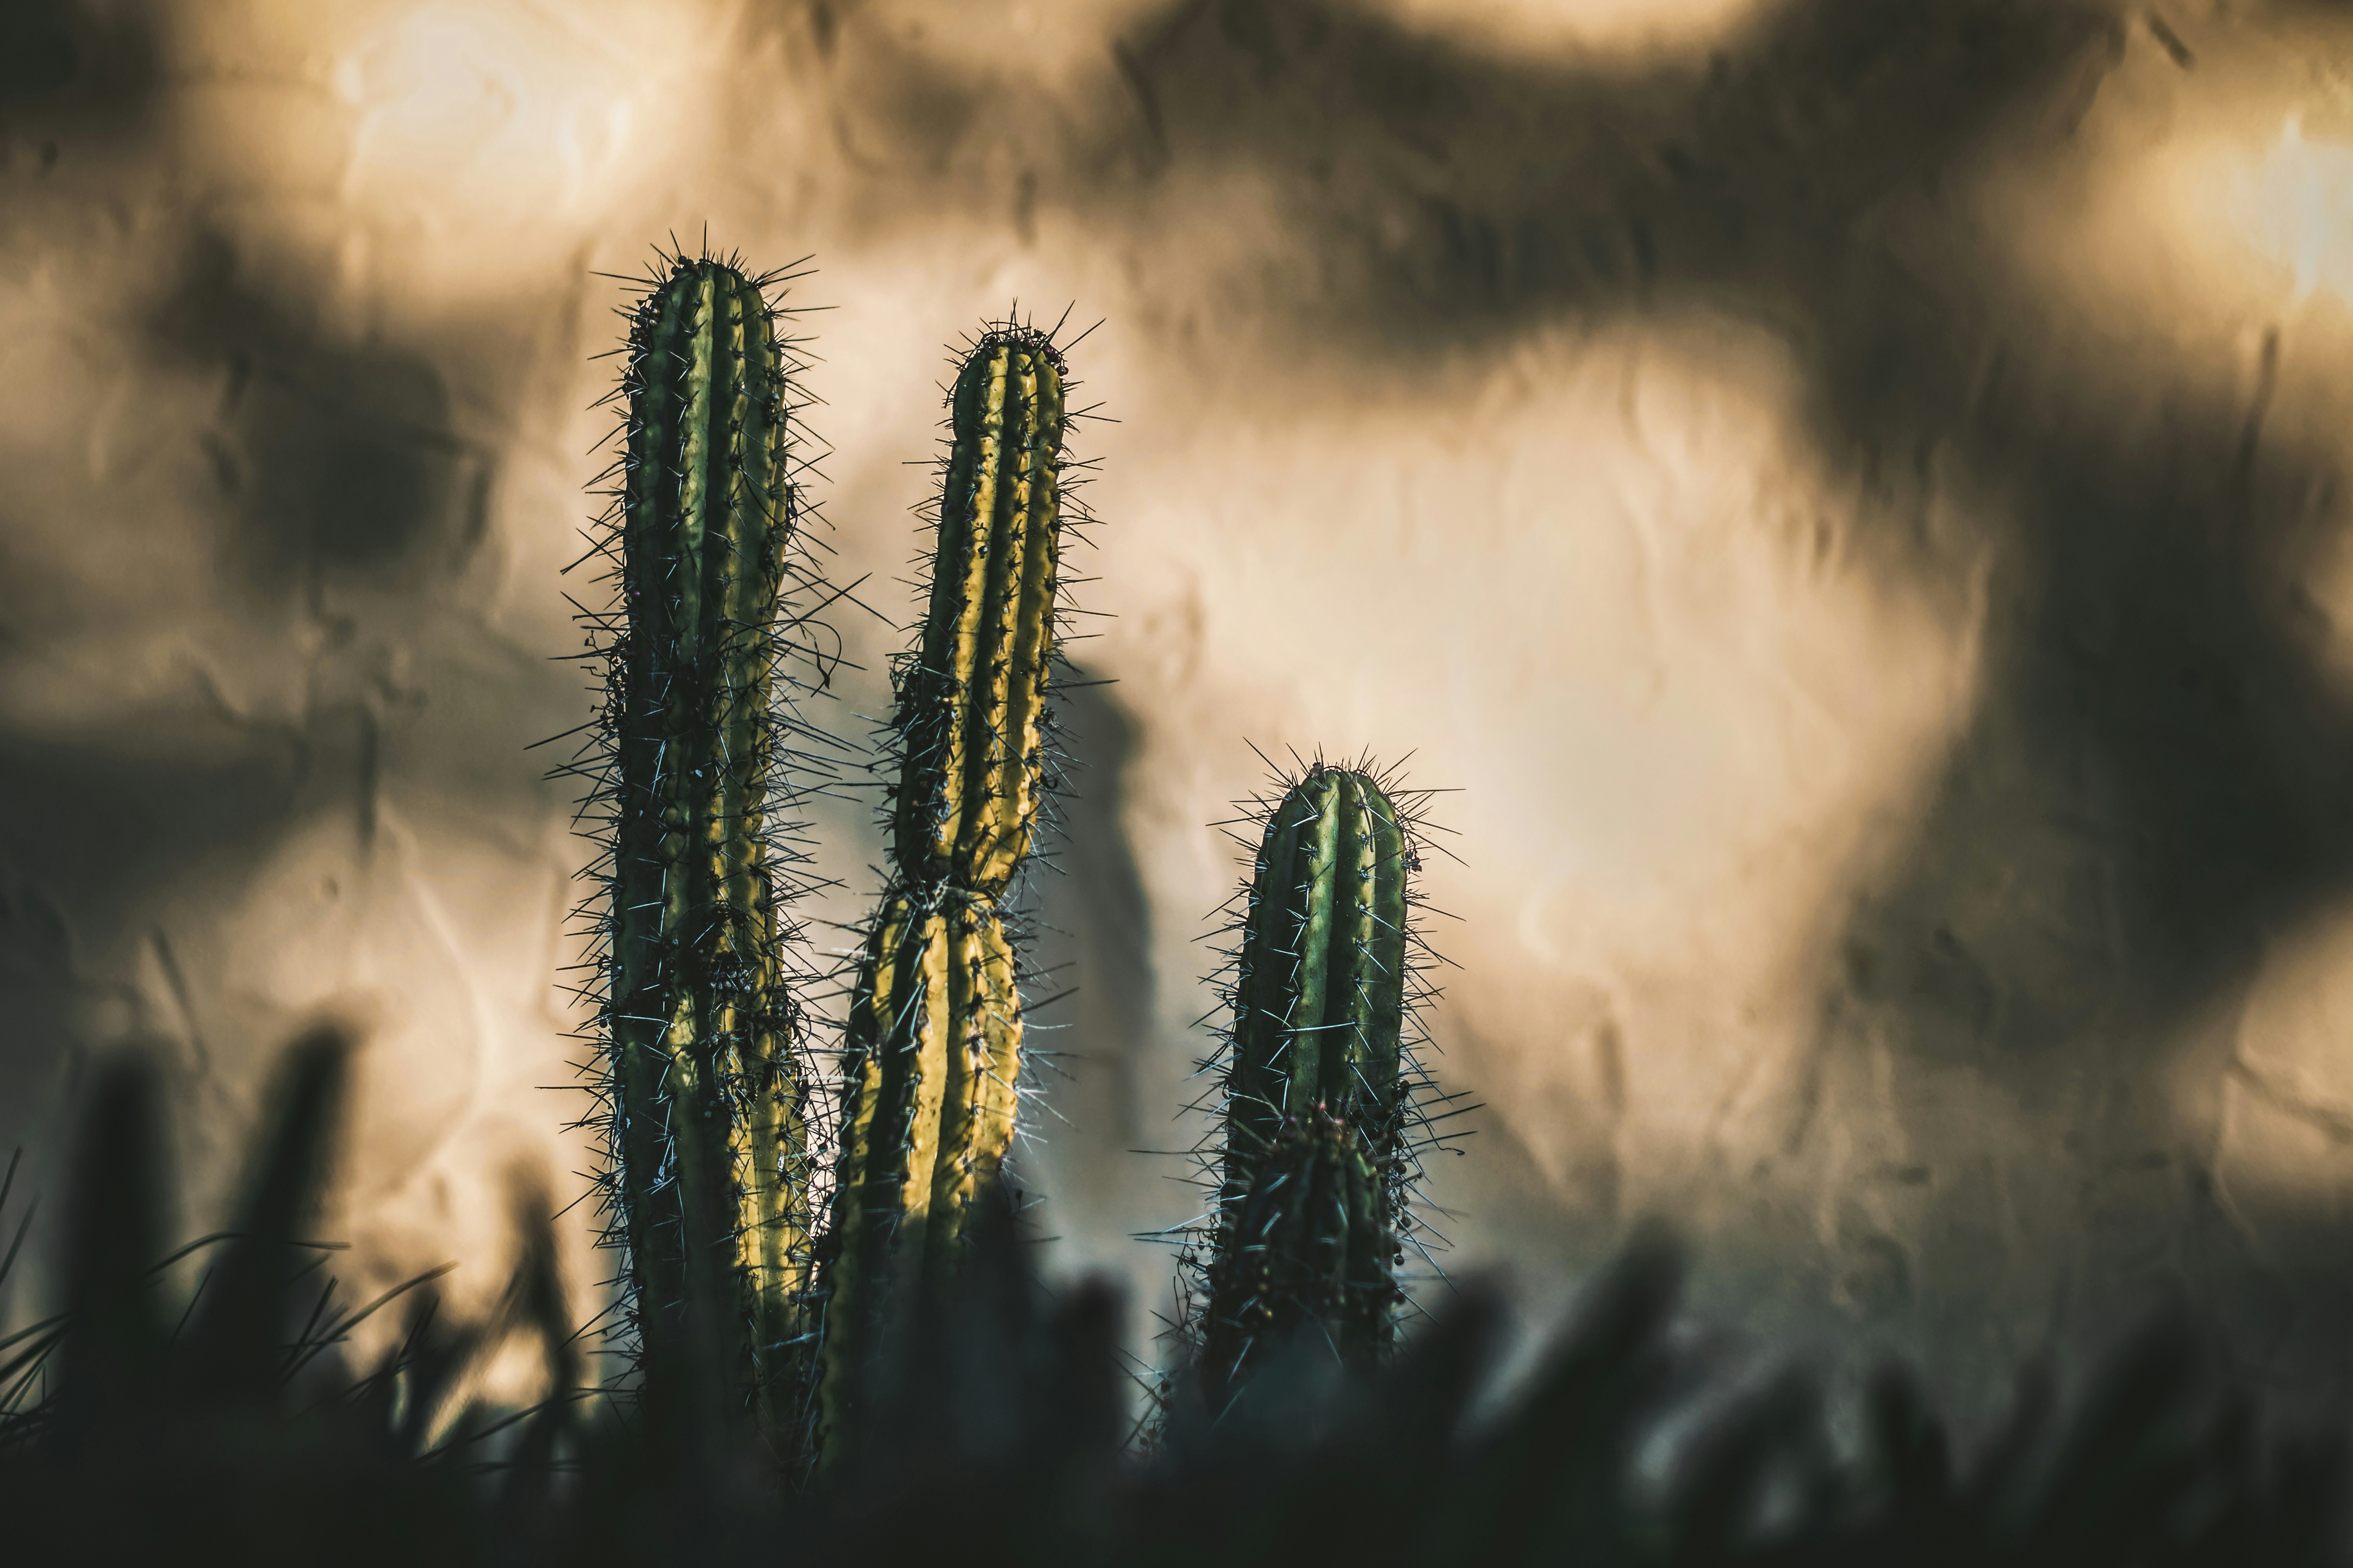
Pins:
x: 1848, y: 491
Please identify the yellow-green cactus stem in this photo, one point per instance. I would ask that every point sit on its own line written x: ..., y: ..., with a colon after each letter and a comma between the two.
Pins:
x: 934, y: 1038
x: 712, y: 1150
x: 933, y: 1053
x: 972, y: 701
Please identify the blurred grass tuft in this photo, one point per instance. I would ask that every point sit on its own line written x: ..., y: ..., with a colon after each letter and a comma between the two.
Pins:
x: 136, y: 1427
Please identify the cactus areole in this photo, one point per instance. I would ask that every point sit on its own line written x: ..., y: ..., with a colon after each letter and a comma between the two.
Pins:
x: 971, y: 703
x: 712, y: 1150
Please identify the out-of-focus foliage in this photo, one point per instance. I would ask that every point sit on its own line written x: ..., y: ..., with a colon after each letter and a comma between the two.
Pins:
x: 140, y: 1428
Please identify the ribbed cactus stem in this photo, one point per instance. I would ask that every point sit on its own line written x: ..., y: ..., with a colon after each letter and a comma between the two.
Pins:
x: 1320, y: 994
x: 712, y: 1152
x: 1315, y: 1111
x: 934, y: 1031
x: 971, y: 704
x: 1309, y: 1246
x: 934, y: 1048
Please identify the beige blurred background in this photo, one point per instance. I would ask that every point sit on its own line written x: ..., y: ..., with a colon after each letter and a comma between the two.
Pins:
x: 1849, y: 491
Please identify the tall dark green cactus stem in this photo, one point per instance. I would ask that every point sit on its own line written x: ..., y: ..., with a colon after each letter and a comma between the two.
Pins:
x: 1316, y: 1102
x: 934, y: 1044
x: 704, y: 1098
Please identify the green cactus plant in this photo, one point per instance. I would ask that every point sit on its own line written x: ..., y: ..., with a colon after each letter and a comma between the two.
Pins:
x: 972, y: 700
x: 1319, y: 995
x: 1309, y: 1242
x: 932, y: 1050
x: 705, y: 1089
x: 1321, y: 1090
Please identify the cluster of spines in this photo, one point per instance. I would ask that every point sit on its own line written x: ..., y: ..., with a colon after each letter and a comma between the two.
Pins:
x: 748, y: 662
x: 973, y: 748
x: 1271, y: 1126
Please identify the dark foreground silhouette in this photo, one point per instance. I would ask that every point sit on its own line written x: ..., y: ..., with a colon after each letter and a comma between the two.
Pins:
x: 134, y: 1427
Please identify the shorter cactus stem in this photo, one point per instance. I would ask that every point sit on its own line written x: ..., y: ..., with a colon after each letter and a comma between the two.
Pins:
x: 1306, y: 1223
x: 1320, y: 994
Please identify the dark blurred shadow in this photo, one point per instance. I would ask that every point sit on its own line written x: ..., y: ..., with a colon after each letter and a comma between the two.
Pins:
x: 37, y: 53
x: 100, y: 822
x: 76, y: 69
x: 337, y: 454
x: 996, y: 1431
x: 2156, y: 754
x: 1096, y: 941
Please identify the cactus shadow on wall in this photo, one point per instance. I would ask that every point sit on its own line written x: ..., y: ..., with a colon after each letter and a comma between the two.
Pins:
x: 1098, y: 923
x: 1094, y: 1039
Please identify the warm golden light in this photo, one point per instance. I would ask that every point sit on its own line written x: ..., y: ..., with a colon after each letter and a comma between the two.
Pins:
x: 1724, y: 468
x: 499, y: 108
x: 2295, y: 208
x: 1582, y: 26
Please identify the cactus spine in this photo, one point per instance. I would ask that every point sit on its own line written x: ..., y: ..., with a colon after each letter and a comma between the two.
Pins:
x: 1320, y: 1087
x: 934, y: 1043
x: 704, y: 1092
